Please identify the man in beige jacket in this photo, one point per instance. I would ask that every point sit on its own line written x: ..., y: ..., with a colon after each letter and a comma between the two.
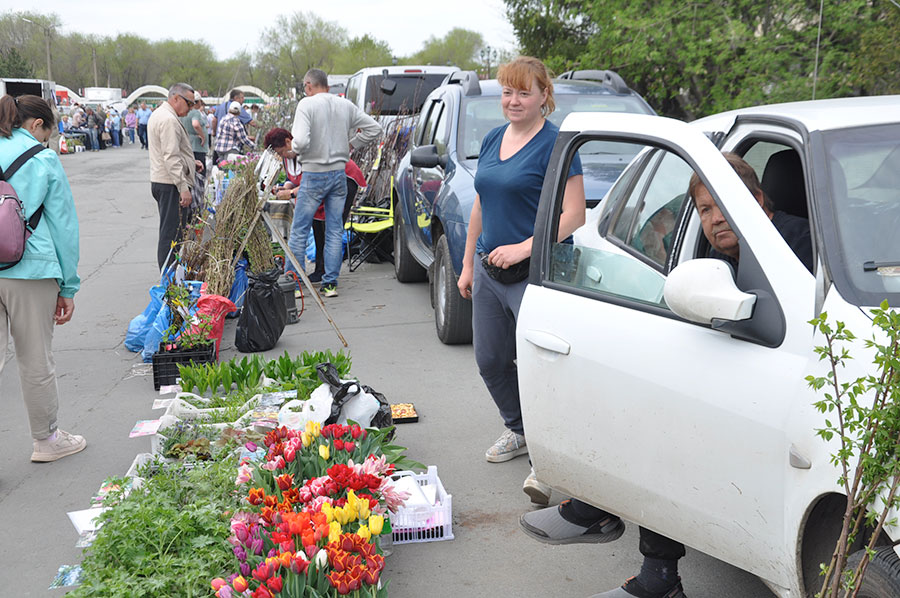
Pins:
x: 172, y: 168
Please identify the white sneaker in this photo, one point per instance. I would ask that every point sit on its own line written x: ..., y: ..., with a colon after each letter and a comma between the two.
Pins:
x: 509, y: 446
x: 536, y: 490
x: 50, y: 450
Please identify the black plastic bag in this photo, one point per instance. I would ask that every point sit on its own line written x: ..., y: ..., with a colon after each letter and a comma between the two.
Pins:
x: 341, y: 392
x: 263, y: 315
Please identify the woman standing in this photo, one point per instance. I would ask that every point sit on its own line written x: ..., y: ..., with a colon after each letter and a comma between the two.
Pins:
x: 511, y: 167
x: 38, y: 291
x: 130, y: 123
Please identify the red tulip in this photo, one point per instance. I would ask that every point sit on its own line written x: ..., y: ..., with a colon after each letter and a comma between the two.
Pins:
x: 275, y: 584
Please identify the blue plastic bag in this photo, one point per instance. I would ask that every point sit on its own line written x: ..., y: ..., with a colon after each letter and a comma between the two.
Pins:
x: 311, y: 245
x: 153, y: 337
x: 140, y: 324
x: 239, y: 286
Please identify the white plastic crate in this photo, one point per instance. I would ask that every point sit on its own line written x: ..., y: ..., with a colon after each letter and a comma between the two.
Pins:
x: 424, y: 523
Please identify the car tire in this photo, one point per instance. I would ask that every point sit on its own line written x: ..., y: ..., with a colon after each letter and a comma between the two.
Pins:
x: 882, y: 579
x: 406, y: 268
x: 452, y: 313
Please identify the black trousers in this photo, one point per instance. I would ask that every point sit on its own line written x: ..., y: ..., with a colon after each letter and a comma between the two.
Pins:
x: 172, y: 219
x: 318, y: 227
x: 142, y: 135
x: 651, y: 545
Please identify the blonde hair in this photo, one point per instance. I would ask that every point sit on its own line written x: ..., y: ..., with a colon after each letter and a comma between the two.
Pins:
x: 522, y: 72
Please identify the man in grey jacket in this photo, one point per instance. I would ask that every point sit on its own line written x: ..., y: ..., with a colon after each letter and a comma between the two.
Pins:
x: 325, y: 128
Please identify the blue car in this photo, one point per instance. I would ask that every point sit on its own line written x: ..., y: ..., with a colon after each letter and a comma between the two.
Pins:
x: 435, y: 180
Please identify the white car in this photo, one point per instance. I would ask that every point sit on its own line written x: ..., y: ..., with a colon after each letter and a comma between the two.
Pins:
x: 701, y: 426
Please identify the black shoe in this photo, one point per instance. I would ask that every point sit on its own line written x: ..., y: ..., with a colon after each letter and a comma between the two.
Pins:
x: 633, y: 589
x: 316, y: 276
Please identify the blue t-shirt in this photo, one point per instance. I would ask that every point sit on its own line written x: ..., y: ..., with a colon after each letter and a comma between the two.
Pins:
x: 222, y: 110
x: 510, y: 190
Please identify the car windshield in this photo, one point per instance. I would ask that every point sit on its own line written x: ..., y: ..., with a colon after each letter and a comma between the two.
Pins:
x: 412, y: 88
x: 863, y: 175
x: 480, y: 115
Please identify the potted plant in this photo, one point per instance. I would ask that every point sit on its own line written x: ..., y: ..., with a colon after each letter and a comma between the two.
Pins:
x: 182, y: 343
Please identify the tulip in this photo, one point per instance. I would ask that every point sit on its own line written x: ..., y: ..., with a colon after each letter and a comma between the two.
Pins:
x: 239, y: 583
x: 324, y: 451
x: 240, y: 531
x: 305, y: 439
x: 363, y: 510
x: 224, y: 592
x: 376, y: 524
x: 285, y: 481
x: 338, y: 444
x: 217, y: 583
x: 262, y: 572
x: 275, y: 584
x: 251, y: 446
x: 334, y: 531
x: 245, y: 569
x: 355, y: 431
x: 363, y: 532
x: 349, y: 446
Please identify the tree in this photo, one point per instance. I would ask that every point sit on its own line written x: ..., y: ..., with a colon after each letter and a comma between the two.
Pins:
x: 14, y: 65
x: 459, y: 47
x: 300, y: 42
x: 555, y: 30
x: 361, y: 52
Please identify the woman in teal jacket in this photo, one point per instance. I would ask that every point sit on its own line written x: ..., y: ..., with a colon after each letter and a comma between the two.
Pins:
x: 38, y: 291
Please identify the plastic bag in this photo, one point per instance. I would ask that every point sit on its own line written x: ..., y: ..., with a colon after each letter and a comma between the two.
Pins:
x: 356, y: 397
x: 239, y: 286
x: 263, y: 316
x: 317, y: 408
x: 154, y: 335
x: 215, y: 307
x: 141, y: 323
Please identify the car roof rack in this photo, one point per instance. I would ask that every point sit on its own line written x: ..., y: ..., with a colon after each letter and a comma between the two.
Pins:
x: 609, y: 78
x: 468, y: 80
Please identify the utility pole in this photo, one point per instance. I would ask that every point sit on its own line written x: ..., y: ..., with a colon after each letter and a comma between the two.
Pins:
x: 47, y: 32
x: 94, y: 60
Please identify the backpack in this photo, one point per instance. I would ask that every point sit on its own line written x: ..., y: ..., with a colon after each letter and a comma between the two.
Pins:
x: 14, y: 228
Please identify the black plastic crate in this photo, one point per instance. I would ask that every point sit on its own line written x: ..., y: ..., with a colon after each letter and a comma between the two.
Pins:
x: 165, y: 363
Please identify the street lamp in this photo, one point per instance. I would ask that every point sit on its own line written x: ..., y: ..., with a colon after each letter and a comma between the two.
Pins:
x: 47, y: 29
x: 488, y: 55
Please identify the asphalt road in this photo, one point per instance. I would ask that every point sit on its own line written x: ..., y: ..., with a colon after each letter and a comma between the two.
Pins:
x: 389, y: 326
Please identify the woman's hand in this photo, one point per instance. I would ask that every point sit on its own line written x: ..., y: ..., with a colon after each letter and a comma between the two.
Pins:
x: 284, y: 194
x: 505, y: 256
x: 65, y: 306
x: 464, y: 284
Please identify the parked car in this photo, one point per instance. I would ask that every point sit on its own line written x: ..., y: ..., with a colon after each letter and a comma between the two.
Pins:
x: 435, y: 180
x: 676, y: 399
x: 408, y: 87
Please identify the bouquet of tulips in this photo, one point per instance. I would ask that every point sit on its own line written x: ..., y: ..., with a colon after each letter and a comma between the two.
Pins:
x: 316, y: 507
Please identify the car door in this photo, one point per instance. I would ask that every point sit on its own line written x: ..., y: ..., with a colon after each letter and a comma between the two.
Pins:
x: 427, y: 182
x: 674, y: 425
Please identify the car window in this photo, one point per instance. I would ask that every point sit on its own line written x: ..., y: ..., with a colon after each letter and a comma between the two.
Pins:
x: 408, y: 97
x: 352, y: 92
x: 442, y: 129
x: 434, y: 114
x: 758, y: 155
x: 630, y: 261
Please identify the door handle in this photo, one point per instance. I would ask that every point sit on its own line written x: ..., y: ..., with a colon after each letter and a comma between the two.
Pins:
x: 547, y: 341
x: 419, y: 181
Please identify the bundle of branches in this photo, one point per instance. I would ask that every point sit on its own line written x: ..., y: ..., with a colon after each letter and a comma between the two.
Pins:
x: 234, y: 216
x: 379, y: 160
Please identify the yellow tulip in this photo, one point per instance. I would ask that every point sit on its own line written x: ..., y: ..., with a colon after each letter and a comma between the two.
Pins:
x: 363, y: 509
x: 352, y: 500
x: 376, y: 524
x: 334, y: 531
x: 329, y: 513
x: 363, y: 532
x: 341, y: 515
x: 324, y: 451
x: 305, y: 439
x: 313, y: 428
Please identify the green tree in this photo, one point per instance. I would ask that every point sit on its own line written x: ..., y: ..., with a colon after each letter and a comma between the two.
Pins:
x: 459, y: 47
x: 361, y: 52
x: 299, y: 42
x: 13, y: 64
x: 555, y: 30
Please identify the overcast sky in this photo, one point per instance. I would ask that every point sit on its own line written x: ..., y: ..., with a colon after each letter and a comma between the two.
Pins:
x: 230, y: 26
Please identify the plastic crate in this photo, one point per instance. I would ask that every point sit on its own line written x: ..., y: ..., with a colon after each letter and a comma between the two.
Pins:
x: 429, y: 524
x: 165, y: 364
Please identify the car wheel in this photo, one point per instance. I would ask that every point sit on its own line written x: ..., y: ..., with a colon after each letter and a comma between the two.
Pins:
x: 452, y: 313
x: 882, y: 578
x: 406, y: 268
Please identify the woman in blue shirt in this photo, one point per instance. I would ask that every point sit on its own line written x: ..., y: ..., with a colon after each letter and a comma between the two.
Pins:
x: 38, y: 291
x: 511, y: 168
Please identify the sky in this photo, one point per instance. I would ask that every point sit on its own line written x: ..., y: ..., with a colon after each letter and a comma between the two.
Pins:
x: 230, y: 26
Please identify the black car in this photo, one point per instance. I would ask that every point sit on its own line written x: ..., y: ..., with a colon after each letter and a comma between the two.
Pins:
x: 435, y: 179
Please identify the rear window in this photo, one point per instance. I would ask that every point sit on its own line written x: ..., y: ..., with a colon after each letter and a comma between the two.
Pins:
x: 409, y: 96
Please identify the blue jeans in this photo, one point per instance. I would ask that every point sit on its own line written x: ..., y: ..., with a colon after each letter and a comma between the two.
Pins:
x: 114, y: 133
x: 95, y: 138
x: 495, y: 308
x: 130, y: 132
x: 315, y: 189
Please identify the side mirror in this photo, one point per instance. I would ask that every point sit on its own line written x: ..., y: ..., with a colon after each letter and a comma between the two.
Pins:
x: 388, y: 87
x: 703, y: 290
x: 427, y: 156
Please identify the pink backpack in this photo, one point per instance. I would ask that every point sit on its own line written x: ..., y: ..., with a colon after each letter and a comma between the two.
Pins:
x: 14, y: 228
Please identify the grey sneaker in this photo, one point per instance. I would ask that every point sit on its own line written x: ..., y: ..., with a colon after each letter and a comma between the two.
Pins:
x: 50, y: 450
x: 537, y: 491
x: 549, y: 526
x: 329, y: 290
x: 509, y: 446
